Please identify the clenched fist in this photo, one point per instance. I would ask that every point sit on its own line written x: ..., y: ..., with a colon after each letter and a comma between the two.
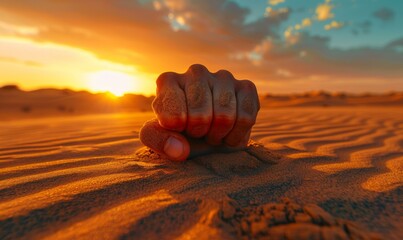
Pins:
x: 212, y: 109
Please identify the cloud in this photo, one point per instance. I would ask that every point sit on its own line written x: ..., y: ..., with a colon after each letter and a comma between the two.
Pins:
x: 141, y: 34
x: 114, y: 30
x: 362, y: 27
x: 17, y: 50
x: 319, y: 58
x: 283, y: 73
x: 384, y: 14
x: 291, y: 37
x: 310, y: 63
x: 270, y: 12
x: 38, y: 64
x: 13, y: 29
x: 19, y: 61
x: 255, y: 56
x: 306, y: 22
x: 333, y: 25
x: 177, y: 22
x: 226, y: 19
x: 324, y: 11
x: 396, y: 45
x: 275, y: 2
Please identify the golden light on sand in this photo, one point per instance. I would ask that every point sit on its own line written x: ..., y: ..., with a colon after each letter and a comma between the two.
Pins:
x: 117, y: 83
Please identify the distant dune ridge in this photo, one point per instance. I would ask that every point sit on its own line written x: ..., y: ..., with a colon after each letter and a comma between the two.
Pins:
x: 326, y: 99
x: 15, y: 103
x: 64, y: 102
x: 317, y: 173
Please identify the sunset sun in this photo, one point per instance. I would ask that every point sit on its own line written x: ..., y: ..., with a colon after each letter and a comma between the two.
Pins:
x: 117, y: 83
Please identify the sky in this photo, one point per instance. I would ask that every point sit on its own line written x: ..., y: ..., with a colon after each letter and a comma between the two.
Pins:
x: 283, y: 46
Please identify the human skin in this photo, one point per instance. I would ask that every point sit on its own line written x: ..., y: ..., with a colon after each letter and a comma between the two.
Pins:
x: 199, y: 111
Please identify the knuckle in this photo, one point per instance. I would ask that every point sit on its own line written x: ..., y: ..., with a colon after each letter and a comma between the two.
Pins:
x: 249, y: 100
x: 196, y: 95
x: 147, y: 132
x: 226, y: 98
x: 170, y: 103
x: 224, y: 74
x: 166, y: 77
x: 198, y: 69
x: 247, y: 85
x: 149, y: 125
x: 156, y: 104
x: 249, y: 105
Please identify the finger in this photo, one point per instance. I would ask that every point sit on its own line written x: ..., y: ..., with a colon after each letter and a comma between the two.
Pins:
x: 245, y: 141
x: 247, y: 109
x: 224, y: 107
x: 170, y: 103
x: 199, y: 100
x: 168, y: 143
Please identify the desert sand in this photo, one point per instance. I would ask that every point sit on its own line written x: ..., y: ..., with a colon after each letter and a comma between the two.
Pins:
x: 21, y: 104
x: 310, y: 173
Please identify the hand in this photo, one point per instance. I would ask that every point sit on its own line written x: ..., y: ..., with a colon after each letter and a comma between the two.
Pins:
x: 213, y: 107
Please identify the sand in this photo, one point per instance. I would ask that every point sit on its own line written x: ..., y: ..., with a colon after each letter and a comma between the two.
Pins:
x: 19, y: 104
x: 318, y: 173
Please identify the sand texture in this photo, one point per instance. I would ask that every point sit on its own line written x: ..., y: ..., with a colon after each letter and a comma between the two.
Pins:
x: 312, y: 173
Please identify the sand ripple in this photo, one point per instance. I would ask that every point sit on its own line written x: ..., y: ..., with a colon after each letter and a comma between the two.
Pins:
x: 80, y: 177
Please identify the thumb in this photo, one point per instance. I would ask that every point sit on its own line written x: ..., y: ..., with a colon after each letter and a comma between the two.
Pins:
x: 170, y: 144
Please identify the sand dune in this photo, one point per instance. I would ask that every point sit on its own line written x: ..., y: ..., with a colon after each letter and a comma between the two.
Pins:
x: 89, y: 177
x: 18, y: 104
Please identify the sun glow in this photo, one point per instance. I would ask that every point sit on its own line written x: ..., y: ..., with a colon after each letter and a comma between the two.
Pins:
x: 117, y: 83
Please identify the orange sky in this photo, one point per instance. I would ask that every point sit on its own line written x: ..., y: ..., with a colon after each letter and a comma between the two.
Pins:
x: 34, y: 65
x: 122, y: 46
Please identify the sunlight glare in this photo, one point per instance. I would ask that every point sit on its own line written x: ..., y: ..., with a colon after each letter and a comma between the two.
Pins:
x: 117, y: 83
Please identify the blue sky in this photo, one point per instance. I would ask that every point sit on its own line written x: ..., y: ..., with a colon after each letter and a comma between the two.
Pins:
x: 354, y: 13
